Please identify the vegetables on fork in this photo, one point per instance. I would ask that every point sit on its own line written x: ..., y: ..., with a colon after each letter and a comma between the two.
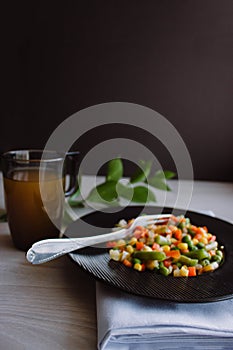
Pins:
x: 50, y: 249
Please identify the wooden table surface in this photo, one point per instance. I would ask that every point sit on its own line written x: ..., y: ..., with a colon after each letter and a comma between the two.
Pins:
x: 44, y: 307
x: 52, y: 306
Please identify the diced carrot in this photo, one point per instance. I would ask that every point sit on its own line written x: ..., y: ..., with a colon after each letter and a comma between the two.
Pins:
x: 110, y: 244
x: 201, y: 231
x: 139, y: 245
x: 212, y: 252
x: 192, y: 271
x: 178, y: 234
x: 194, y: 228
x: 198, y: 236
x: 143, y: 267
x: 184, y: 251
x: 167, y: 263
x: 127, y: 263
x: 138, y: 231
x: 212, y: 238
x: 145, y: 233
x: 173, y: 254
x: 156, y: 246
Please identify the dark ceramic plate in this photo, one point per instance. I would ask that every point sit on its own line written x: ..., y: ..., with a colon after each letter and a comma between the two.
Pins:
x: 208, y: 287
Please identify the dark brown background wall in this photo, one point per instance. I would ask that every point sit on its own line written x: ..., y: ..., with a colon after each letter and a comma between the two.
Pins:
x: 175, y: 57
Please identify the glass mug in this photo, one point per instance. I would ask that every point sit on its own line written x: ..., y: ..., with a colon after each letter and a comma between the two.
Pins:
x: 35, y: 187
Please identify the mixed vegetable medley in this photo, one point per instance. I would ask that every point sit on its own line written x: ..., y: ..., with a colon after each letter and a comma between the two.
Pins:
x: 173, y: 247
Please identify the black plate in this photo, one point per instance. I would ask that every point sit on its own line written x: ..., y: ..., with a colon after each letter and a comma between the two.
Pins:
x: 208, y: 287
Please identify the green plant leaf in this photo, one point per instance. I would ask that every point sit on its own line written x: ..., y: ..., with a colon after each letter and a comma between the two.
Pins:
x: 114, y: 170
x: 142, y: 194
x: 103, y: 192
x: 158, y: 183
x: 169, y: 174
x: 76, y: 203
x: 166, y: 174
x: 142, y: 173
x: 125, y: 191
x: 139, y: 194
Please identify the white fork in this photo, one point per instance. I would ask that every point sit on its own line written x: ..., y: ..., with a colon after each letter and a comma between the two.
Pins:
x: 49, y: 249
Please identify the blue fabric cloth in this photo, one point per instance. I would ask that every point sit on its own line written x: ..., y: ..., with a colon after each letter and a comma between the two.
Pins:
x: 127, y: 322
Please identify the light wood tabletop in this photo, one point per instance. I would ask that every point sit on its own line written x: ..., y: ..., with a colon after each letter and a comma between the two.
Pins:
x: 52, y: 306
x: 49, y: 306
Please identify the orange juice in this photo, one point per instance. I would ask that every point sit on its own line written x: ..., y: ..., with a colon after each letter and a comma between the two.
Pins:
x: 27, y: 212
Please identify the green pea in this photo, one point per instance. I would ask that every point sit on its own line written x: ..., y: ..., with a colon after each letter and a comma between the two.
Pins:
x: 136, y: 261
x: 205, y: 262
x: 200, y: 245
x: 186, y: 239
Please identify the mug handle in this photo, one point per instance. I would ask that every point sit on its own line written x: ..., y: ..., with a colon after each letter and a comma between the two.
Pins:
x: 71, y: 169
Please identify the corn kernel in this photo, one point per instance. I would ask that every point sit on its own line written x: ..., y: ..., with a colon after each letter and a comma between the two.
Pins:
x: 176, y: 272
x: 195, y: 241
x: 204, y: 240
x: 211, y: 267
x: 184, y: 272
x: 129, y: 249
x: 207, y: 268
x: 152, y: 264
x: 133, y: 241
x: 147, y: 249
x: 182, y: 246
x: 121, y: 242
x: 137, y: 267
x: 166, y: 248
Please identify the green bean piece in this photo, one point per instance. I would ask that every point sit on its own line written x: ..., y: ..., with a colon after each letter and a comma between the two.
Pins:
x: 187, y: 261
x: 161, y: 240
x: 149, y: 255
x: 164, y: 271
x: 193, y: 247
x: 200, y: 245
x: 220, y: 253
x: 217, y: 258
x: 199, y: 254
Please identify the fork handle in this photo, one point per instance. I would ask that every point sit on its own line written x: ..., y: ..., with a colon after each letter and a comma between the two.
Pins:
x: 50, y: 249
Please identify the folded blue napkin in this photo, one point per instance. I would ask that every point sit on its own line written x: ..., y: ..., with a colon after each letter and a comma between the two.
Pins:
x: 128, y: 322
